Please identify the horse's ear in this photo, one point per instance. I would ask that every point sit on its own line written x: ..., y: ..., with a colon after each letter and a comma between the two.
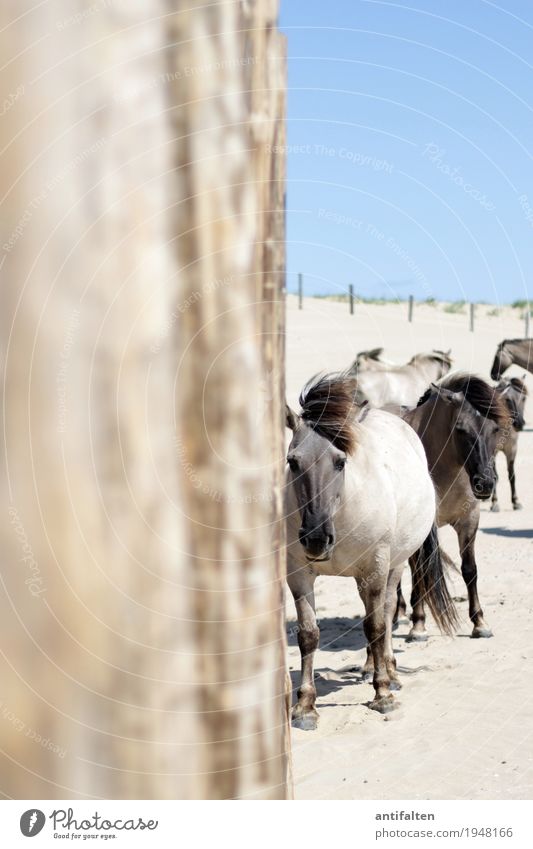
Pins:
x: 362, y: 412
x: 291, y: 419
x: 448, y: 396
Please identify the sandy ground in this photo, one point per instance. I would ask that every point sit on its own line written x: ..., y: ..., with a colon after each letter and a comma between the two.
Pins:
x: 464, y: 726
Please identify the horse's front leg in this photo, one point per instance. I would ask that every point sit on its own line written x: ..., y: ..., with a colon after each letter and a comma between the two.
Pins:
x: 466, y: 531
x: 304, y: 713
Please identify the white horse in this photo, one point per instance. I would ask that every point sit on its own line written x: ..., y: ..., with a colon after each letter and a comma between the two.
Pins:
x: 359, y: 503
x: 402, y: 384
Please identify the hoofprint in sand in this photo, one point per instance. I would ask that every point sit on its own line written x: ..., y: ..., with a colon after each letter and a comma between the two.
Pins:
x: 463, y: 727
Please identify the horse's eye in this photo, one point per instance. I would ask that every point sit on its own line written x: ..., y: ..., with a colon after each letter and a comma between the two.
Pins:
x: 340, y: 464
x: 293, y: 464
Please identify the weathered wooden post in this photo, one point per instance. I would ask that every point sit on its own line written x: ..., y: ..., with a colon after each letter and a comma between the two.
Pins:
x: 410, y: 308
x: 231, y: 387
x: 472, y: 316
x: 351, y: 299
x: 300, y: 291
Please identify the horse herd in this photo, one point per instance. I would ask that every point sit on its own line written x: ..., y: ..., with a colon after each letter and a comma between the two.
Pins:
x: 381, y: 456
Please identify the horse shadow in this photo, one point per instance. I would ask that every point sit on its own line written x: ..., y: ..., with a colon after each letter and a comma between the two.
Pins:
x: 337, y: 633
x: 525, y: 533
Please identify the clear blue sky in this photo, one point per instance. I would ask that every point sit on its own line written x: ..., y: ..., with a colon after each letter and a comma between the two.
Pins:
x: 410, y: 147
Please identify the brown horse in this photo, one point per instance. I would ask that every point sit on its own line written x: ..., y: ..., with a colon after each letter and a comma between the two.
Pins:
x: 514, y: 393
x: 457, y: 422
x: 512, y: 351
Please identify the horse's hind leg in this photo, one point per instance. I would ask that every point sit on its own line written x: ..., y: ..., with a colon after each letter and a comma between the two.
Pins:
x: 374, y: 599
x: 495, y: 507
x: 368, y: 668
x: 304, y: 713
x: 400, y: 614
x: 466, y: 531
x: 510, y: 457
x: 391, y: 598
x: 418, y: 633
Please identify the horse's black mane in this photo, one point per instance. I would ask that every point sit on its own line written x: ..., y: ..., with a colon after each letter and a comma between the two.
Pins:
x: 483, y: 397
x: 373, y: 354
x: 328, y: 406
x: 505, y: 341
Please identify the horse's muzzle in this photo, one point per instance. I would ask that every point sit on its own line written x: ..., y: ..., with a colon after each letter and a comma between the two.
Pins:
x: 483, y: 487
x: 318, y: 542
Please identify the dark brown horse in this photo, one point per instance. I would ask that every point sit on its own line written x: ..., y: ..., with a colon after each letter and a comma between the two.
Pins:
x: 512, y: 351
x: 514, y: 393
x: 457, y: 422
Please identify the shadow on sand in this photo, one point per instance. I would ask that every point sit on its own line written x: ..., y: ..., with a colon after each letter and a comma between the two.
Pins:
x: 340, y: 633
x: 524, y: 533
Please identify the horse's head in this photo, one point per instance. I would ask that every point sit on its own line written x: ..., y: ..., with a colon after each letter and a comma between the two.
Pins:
x: 502, y: 360
x: 322, y: 440
x: 514, y: 391
x: 443, y: 360
x: 440, y: 362
x: 474, y: 427
x: 316, y: 473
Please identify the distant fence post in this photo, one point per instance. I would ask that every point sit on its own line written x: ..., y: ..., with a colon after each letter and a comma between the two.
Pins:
x: 351, y: 299
x: 300, y: 291
x: 527, y: 317
x: 472, y: 311
x: 410, y: 310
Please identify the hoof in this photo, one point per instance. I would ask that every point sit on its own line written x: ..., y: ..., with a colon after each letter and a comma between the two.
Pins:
x: 401, y: 620
x: 481, y: 633
x: 517, y: 506
x: 385, y: 704
x: 416, y: 637
x: 304, y: 720
x: 495, y: 508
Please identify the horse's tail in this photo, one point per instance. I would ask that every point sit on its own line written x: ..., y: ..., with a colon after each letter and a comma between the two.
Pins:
x: 428, y: 578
